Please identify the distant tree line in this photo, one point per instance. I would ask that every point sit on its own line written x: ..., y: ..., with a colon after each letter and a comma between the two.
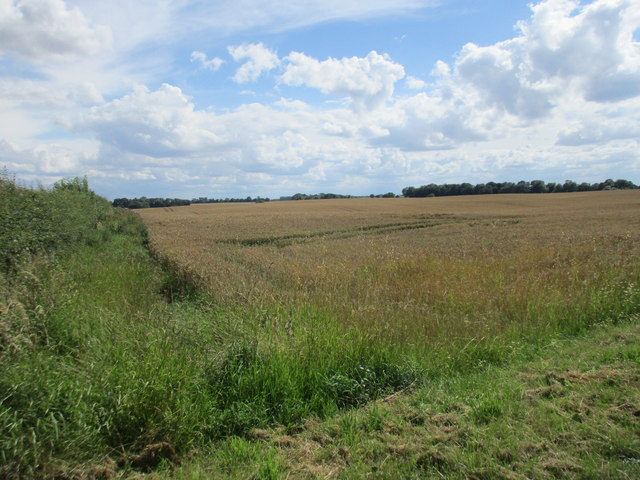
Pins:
x: 230, y: 200
x: 144, y: 202
x: 535, y: 186
x: 384, y: 195
x: 317, y: 196
x: 430, y: 190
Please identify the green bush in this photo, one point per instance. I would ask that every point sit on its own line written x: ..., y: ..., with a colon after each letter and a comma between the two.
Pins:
x: 39, y: 220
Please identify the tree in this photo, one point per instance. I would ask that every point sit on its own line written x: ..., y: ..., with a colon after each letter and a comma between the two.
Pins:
x: 624, y: 184
x: 538, y: 186
x: 606, y: 185
x: 142, y: 202
x: 75, y: 184
x: 507, y: 187
x: 535, y: 186
x: 409, y: 192
x: 522, y: 187
x: 465, y: 189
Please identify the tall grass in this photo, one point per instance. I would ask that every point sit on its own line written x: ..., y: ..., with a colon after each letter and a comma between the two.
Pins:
x: 96, y: 363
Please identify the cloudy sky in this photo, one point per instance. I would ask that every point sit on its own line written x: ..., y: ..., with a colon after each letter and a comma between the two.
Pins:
x: 219, y: 98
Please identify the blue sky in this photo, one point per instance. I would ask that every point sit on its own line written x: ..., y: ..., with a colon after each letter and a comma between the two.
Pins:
x: 189, y: 98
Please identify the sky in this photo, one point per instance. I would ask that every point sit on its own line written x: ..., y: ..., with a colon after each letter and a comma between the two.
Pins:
x: 219, y: 98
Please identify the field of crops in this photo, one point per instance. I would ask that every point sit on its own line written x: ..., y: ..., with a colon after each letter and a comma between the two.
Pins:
x: 302, y: 339
x: 413, y: 271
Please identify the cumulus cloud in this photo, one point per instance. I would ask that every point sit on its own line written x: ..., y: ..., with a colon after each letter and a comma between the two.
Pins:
x: 415, y: 83
x: 158, y: 130
x: 213, y: 64
x: 259, y: 60
x: 286, y: 152
x: 368, y: 82
x: 595, y: 46
x: 591, y: 132
x: 426, y: 123
x: 41, y: 93
x: 164, y: 128
x: 561, y: 96
x: 564, y: 48
x: 158, y: 124
x: 47, y: 30
x: 495, y: 72
x: 51, y: 160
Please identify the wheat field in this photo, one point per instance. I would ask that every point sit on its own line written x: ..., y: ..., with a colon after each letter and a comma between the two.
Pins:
x: 278, y: 314
x: 412, y: 270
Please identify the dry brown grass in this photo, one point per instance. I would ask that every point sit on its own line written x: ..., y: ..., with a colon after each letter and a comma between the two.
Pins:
x: 411, y: 269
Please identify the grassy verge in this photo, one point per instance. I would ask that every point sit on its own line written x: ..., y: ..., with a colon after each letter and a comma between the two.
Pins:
x: 572, y: 411
x: 98, y: 367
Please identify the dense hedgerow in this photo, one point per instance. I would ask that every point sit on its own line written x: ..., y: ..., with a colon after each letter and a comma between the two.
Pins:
x: 36, y: 221
x: 50, y: 398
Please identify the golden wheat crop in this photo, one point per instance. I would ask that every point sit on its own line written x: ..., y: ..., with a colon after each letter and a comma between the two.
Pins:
x: 411, y: 270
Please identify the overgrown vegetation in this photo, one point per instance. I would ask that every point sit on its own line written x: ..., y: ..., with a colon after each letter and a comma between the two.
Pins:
x: 112, y: 361
x: 98, y: 368
x: 36, y: 221
x: 571, y: 411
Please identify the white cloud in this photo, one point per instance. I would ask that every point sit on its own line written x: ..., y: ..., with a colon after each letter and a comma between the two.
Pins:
x: 46, y: 30
x: 428, y: 123
x: 157, y: 124
x: 564, y: 49
x: 264, y: 15
x: 594, y: 46
x: 46, y: 160
x: 285, y: 152
x: 44, y: 94
x: 164, y: 128
x: 560, y: 98
x: 496, y: 73
x: 153, y: 131
x: 213, y: 64
x: 259, y: 60
x: 368, y: 82
x: 601, y: 128
x: 415, y: 83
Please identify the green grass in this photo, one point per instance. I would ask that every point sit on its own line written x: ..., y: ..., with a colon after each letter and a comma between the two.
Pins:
x: 571, y: 410
x: 111, y: 362
x: 109, y: 367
